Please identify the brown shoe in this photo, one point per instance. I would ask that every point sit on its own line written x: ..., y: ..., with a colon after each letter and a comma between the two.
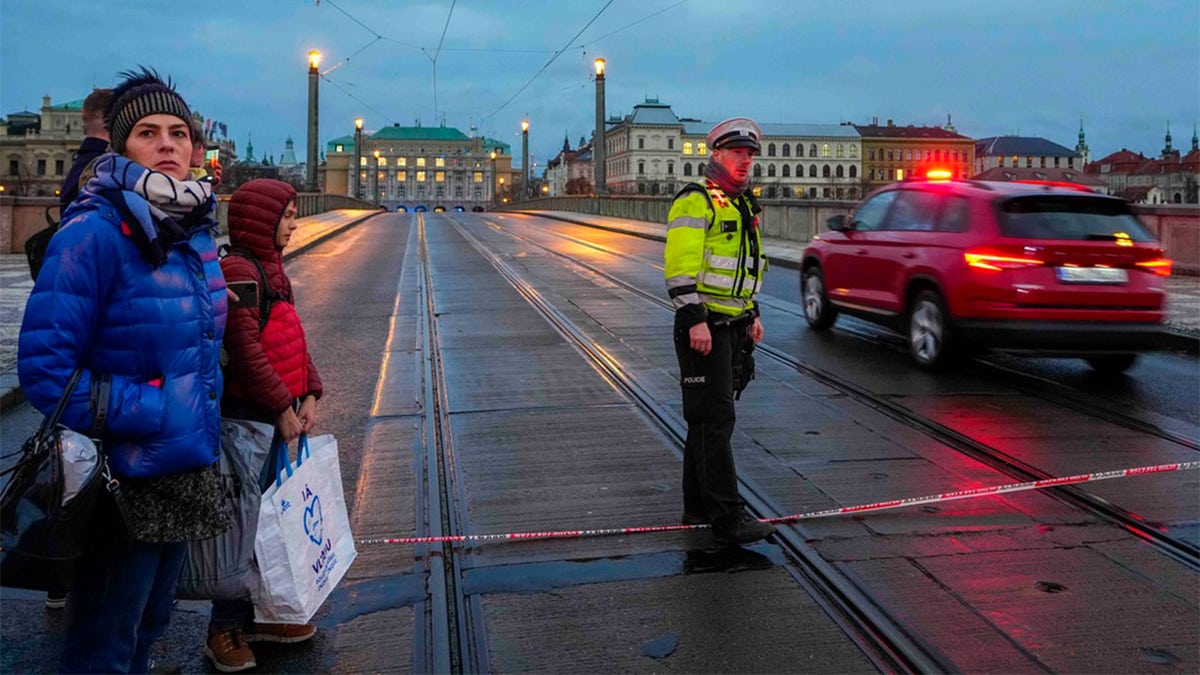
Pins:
x: 229, y: 652
x: 280, y: 632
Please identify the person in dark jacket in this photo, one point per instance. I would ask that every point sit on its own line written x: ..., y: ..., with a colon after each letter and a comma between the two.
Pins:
x: 131, y: 296
x: 270, y: 377
x: 94, y: 144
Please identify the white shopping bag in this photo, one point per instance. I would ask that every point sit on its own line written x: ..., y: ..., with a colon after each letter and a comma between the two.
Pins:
x: 304, y: 545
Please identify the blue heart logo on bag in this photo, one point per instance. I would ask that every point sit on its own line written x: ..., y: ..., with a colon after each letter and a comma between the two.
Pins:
x: 313, y: 520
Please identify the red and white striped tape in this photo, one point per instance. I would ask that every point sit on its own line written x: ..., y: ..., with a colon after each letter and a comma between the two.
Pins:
x: 860, y: 508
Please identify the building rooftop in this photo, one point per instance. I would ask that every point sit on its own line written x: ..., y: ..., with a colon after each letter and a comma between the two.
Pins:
x: 398, y: 133
x: 910, y: 131
x: 1021, y: 146
x: 1059, y: 175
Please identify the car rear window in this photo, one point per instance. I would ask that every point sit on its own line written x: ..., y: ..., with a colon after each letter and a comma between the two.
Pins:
x: 1070, y: 218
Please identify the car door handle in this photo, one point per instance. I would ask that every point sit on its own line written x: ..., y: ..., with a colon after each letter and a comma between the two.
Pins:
x: 909, y: 256
x: 861, y: 251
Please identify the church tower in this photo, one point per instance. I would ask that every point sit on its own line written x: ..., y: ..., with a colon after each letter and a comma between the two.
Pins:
x: 1082, y: 147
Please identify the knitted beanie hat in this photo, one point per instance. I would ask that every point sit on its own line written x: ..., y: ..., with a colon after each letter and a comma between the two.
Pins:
x: 140, y: 94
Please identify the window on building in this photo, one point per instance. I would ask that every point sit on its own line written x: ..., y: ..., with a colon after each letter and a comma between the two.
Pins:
x: 799, y: 149
x: 758, y: 170
x: 41, y: 167
x: 439, y: 162
x: 339, y: 148
x: 702, y: 148
x: 641, y: 143
x: 826, y: 193
x: 687, y: 147
x: 771, y: 191
x: 871, y: 154
x: 478, y: 194
x: 401, y: 176
x: 853, y: 171
x: 825, y: 150
x: 14, y: 167
x: 812, y: 170
x: 890, y: 155
x: 362, y: 177
x: 439, y: 176
x: 908, y: 155
x: 420, y: 161
x: 841, y: 151
x: 400, y: 192
x: 771, y: 171
x: 401, y: 161
x: 812, y: 150
x: 670, y: 143
x: 687, y: 169
x: 458, y: 191
x: 770, y: 150
x: 477, y: 177
x: 381, y: 176
x: 1071, y: 162
x: 670, y: 168
x: 441, y: 192
x: 641, y: 168
x: 381, y: 161
x: 1001, y: 161
x: 362, y: 161
x: 840, y: 172
x: 1056, y: 161
x: 700, y: 169
x: 1028, y: 162
x: 421, y: 177
x: 825, y: 171
x: 1043, y: 162
x: 787, y: 170
x: 899, y: 174
x: 853, y: 151
x: 787, y: 150
x: 58, y: 167
x: 956, y: 155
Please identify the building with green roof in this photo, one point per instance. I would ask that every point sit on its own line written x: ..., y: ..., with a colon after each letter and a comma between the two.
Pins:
x: 420, y: 167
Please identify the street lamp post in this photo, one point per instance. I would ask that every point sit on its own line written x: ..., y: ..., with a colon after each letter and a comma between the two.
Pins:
x: 375, y: 180
x: 525, y: 158
x: 356, y: 168
x: 598, y: 168
x: 492, y: 187
x: 314, y: 59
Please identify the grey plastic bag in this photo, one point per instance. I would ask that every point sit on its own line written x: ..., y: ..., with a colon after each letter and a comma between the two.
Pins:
x: 219, y: 568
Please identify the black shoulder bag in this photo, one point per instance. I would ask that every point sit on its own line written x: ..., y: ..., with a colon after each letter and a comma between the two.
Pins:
x: 49, y: 503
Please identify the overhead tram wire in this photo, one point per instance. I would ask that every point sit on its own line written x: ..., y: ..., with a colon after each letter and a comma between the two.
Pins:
x: 644, y: 18
x: 552, y: 59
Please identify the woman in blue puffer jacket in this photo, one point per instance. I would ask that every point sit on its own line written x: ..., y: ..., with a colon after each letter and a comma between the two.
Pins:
x: 131, y: 294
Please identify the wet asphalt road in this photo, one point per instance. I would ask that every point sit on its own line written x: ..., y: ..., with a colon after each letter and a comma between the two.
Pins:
x: 631, y: 604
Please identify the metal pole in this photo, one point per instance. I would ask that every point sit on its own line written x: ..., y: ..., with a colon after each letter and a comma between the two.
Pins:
x: 598, y: 148
x: 525, y: 158
x: 310, y: 165
x: 355, y: 169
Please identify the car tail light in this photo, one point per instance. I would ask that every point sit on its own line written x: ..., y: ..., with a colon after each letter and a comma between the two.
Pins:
x: 1160, y: 266
x: 997, y: 262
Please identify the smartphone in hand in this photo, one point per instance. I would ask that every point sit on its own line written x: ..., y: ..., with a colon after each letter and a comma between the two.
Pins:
x: 212, y: 156
x: 246, y: 292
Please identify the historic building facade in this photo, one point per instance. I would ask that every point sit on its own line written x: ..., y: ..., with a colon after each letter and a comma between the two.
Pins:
x: 420, y: 168
x: 893, y: 152
x: 1024, y: 152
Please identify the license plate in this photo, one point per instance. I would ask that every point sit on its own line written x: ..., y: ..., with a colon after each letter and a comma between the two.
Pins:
x: 1092, y: 275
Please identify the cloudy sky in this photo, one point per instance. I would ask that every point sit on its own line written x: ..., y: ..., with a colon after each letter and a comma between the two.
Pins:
x: 1033, y: 67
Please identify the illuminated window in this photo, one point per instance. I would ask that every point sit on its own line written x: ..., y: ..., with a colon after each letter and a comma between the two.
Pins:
x: 420, y: 161
x: 439, y: 176
x: 439, y: 162
x: 339, y: 148
x: 687, y: 147
x: 824, y: 149
x: 899, y: 174
x: 401, y: 176
x: 421, y: 176
x: 477, y: 177
x: 841, y: 151
x: 362, y: 161
x: 362, y: 176
x: 401, y: 161
x: 381, y: 176
x: 702, y: 148
x: 383, y: 161
x: 854, y: 151
x: 1001, y: 160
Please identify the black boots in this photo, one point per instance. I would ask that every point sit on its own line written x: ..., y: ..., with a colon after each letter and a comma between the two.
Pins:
x: 742, y: 529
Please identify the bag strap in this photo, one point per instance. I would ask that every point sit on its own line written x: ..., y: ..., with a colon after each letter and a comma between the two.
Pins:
x: 266, y: 295
x: 101, y: 386
x: 51, y: 420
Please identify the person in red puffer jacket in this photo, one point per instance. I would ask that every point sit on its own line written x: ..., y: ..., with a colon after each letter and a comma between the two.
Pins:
x: 270, y: 377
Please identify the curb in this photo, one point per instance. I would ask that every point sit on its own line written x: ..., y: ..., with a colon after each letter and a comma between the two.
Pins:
x: 1171, y: 340
x: 11, y: 395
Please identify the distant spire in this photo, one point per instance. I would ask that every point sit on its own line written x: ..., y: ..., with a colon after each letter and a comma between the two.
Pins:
x: 249, y: 147
x: 1167, y: 148
x: 1195, y: 138
x: 950, y: 125
x: 1081, y: 148
x: 566, y: 142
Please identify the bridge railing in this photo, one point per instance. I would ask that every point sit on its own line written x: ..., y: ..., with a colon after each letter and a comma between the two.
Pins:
x: 21, y: 217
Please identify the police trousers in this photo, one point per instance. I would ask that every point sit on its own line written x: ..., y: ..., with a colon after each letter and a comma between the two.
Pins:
x: 709, y: 475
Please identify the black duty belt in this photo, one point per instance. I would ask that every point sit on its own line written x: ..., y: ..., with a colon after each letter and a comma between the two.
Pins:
x: 743, y: 319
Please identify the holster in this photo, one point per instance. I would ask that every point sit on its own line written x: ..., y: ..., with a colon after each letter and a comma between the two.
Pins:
x: 743, y: 367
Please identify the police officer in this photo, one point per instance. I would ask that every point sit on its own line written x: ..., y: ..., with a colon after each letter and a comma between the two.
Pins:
x: 714, y: 267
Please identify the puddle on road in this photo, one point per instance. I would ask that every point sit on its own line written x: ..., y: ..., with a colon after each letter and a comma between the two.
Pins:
x: 544, y: 577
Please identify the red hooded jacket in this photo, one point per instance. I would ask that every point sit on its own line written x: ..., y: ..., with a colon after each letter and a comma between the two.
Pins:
x: 269, y: 368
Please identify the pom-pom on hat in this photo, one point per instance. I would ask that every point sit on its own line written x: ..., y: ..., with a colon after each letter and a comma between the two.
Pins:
x: 142, y: 93
x: 736, y: 132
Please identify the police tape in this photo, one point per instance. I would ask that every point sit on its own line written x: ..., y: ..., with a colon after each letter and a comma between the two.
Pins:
x: 860, y: 508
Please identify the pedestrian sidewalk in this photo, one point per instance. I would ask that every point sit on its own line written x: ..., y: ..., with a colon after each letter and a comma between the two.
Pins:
x: 15, y: 286
x: 1183, y: 292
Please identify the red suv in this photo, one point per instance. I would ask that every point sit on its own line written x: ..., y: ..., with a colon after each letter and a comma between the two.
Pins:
x: 1046, y: 269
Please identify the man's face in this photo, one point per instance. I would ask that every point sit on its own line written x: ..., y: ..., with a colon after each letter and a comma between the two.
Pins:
x: 287, y: 225
x: 736, y: 161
